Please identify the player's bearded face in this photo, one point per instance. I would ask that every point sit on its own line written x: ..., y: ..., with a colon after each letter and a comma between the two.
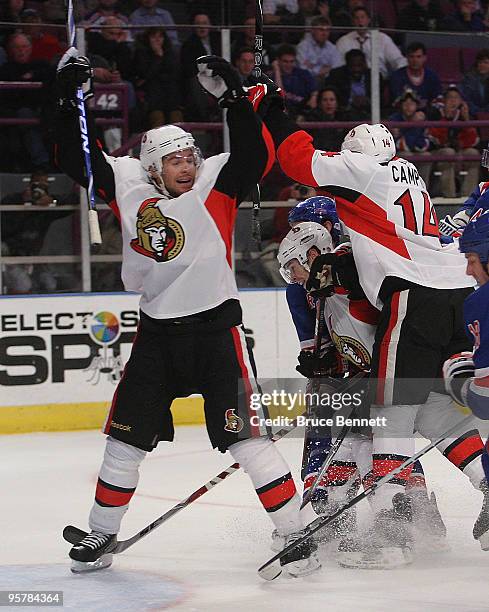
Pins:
x: 179, y: 170
x: 476, y: 269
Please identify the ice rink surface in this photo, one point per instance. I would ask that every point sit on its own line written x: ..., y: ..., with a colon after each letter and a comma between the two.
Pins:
x: 205, y: 558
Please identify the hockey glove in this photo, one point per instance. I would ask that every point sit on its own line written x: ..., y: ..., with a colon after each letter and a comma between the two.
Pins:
x: 220, y: 79
x: 330, y: 364
x: 74, y: 71
x: 454, y: 226
x: 320, y: 281
x: 456, y: 371
x: 265, y: 95
x: 335, y: 269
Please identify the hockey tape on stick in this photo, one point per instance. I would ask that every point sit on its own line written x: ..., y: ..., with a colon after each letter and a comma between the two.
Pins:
x: 73, y: 535
x: 255, y: 213
x: 93, y: 224
x: 334, y: 447
x: 313, y: 383
x: 272, y: 568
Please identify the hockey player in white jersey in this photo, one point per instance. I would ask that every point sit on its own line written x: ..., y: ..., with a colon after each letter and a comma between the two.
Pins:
x: 177, y: 214
x: 417, y: 284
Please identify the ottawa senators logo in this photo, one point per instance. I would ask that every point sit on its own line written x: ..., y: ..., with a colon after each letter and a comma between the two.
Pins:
x: 159, y: 237
x: 353, y: 350
x: 234, y: 423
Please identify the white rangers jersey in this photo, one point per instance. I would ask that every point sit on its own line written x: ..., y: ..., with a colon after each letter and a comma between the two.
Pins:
x: 177, y: 251
x: 387, y: 212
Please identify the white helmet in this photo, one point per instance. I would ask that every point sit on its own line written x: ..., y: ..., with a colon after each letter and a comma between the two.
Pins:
x: 297, y: 243
x: 374, y: 140
x: 157, y: 143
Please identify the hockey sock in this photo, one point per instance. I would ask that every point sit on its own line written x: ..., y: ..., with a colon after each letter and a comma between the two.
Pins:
x: 272, y: 480
x: 465, y: 452
x: 117, y: 481
x: 417, y: 478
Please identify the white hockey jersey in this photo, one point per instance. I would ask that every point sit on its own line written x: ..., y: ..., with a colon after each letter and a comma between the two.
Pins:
x: 176, y: 252
x: 351, y: 326
x: 387, y: 212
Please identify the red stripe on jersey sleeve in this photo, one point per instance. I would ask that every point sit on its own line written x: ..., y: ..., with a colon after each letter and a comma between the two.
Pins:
x: 222, y: 209
x: 295, y: 157
x: 268, y: 140
x: 362, y: 310
x: 367, y: 218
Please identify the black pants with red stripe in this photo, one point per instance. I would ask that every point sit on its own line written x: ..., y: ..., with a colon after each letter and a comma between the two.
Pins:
x: 419, y: 328
x: 169, y: 361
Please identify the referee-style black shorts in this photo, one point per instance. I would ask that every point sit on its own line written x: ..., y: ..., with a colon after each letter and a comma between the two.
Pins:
x: 167, y: 363
x: 419, y: 328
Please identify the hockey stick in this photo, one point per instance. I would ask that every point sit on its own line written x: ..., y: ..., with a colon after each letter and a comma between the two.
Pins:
x: 255, y: 196
x: 73, y: 535
x: 333, y: 448
x: 272, y: 568
x: 93, y: 224
x: 313, y: 383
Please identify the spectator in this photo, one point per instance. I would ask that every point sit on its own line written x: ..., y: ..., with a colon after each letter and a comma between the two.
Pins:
x: 475, y: 85
x: 308, y: 10
x: 416, y: 77
x: 390, y: 57
x: 412, y: 140
x: 456, y: 140
x: 315, y: 53
x: 421, y: 15
x: 198, y: 105
x: 23, y: 231
x: 149, y: 14
x: 298, y: 84
x: 278, y: 11
x: 244, y: 63
x: 156, y: 72
x: 328, y: 139
x: 246, y: 38
x: 25, y: 103
x: 105, y: 9
x: 467, y: 18
x: 352, y: 82
x: 10, y: 12
x: 45, y: 46
x: 110, y: 43
x: 201, y: 42
x: 341, y: 12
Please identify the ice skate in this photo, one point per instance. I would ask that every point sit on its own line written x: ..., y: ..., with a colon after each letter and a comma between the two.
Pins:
x: 345, y: 525
x: 386, y: 545
x: 430, y: 530
x: 303, y: 560
x: 93, y: 552
x: 481, y: 527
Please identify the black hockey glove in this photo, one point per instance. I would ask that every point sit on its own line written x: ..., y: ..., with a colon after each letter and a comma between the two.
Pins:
x: 330, y: 364
x: 335, y: 269
x: 264, y: 95
x: 220, y: 79
x: 74, y: 71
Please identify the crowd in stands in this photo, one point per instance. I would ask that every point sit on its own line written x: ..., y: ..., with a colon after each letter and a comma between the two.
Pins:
x: 323, y: 69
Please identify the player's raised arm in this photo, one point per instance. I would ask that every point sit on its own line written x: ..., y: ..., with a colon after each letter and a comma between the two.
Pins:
x: 252, y: 152
x: 75, y: 71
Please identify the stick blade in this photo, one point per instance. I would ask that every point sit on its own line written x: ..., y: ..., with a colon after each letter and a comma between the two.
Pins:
x: 270, y: 571
x: 73, y: 535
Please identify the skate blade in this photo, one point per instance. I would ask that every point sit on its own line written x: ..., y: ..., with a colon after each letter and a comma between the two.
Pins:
x: 385, y: 558
x: 80, y: 567
x: 297, y: 569
x: 484, y: 541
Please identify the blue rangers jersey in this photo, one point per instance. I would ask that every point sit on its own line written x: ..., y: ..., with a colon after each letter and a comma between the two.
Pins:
x: 478, y: 201
x: 476, y: 316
